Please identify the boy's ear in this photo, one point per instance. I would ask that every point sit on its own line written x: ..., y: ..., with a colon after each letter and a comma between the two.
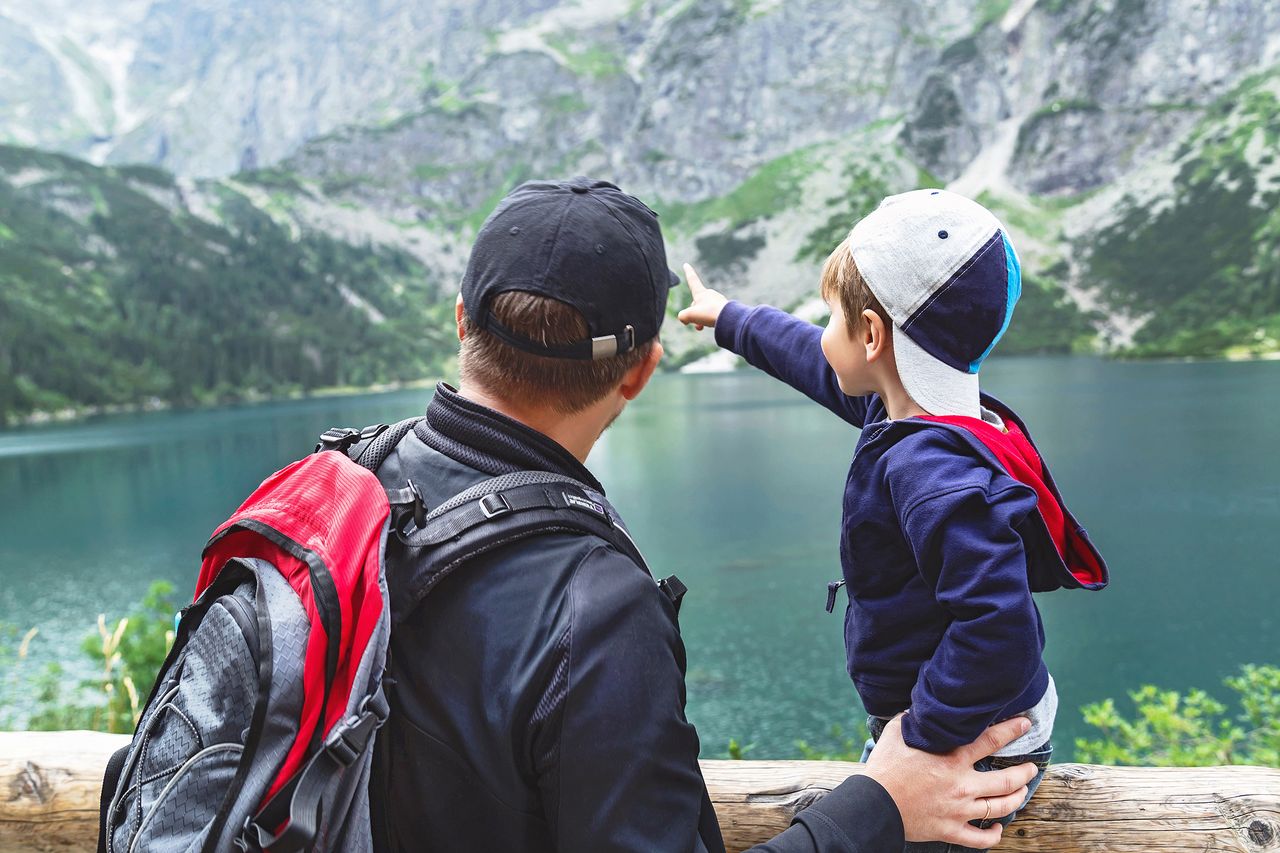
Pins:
x: 875, y: 335
x: 457, y: 313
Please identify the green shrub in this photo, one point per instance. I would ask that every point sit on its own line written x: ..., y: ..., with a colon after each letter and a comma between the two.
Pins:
x: 839, y: 747
x: 127, y: 653
x: 1173, y: 730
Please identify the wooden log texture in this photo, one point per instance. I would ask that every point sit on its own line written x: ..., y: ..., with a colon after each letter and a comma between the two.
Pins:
x: 1079, y: 808
x: 50, y: 782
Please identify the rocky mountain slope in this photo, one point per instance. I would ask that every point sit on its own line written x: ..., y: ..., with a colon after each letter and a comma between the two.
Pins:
x: 1130, y: 145
x: 210, y: 87
x: 763, y: 131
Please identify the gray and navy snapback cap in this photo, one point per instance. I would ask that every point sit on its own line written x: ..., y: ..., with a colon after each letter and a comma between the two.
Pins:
x: 944, y: 270
x: 583, y: 242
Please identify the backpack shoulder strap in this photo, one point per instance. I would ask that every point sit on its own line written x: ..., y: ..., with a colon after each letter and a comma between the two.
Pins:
x: 110, y: 782
x: 528, y: 495
x: 502, y: 510
x: 370, y: 446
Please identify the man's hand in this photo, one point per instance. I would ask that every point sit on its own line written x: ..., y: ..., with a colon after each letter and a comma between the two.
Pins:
x: 937, y: 795
x: 706, y: 306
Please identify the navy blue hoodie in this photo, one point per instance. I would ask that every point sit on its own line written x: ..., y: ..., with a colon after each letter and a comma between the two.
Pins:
x: 943, y: 541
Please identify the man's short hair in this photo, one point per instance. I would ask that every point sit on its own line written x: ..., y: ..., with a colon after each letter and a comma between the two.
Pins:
x: 566, y: 385
x: 843, y: 281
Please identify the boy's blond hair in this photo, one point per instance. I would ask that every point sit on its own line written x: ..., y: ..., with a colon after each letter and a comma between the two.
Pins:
x: 842, y: 281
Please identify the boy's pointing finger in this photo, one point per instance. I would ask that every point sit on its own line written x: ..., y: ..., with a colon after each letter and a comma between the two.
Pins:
x: 695, y: 284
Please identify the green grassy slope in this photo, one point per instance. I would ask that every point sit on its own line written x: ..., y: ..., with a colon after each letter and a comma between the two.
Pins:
x: 1204, y: 262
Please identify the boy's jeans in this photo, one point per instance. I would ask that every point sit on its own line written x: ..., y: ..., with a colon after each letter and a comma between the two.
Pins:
x: 1039, y: 756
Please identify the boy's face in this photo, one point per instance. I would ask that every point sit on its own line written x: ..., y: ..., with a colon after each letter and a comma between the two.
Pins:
x: 846, y: 352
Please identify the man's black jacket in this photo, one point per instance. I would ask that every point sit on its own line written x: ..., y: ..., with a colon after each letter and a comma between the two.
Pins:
x: 538, y: 695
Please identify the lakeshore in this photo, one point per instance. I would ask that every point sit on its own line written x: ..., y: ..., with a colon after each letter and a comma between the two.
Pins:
x: 733, y: 482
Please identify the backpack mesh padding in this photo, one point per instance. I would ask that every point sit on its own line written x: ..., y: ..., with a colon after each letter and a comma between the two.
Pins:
x: 380, y: 448
x: 498, y: 484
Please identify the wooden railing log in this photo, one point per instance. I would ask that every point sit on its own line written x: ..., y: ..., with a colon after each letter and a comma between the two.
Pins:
x: 50, y: 783
x: 1079, y: 808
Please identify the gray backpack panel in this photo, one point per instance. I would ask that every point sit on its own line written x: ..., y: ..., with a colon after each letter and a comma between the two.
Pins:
x: 179, y: 778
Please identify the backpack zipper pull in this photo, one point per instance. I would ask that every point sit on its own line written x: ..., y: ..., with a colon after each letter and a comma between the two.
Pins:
x: 832, y: 589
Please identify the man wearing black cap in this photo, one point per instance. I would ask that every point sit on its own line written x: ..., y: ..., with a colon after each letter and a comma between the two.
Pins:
x: 537, y: 693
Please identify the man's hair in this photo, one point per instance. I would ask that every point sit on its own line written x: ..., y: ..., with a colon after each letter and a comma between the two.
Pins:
x: 566, y: 385
x: 843, y: 281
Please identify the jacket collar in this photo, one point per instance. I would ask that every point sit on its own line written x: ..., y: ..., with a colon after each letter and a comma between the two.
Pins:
x: 490, y: 441
x: 878, y: 424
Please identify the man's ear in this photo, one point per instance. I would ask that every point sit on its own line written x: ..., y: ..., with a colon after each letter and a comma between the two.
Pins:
x: 636, y: 378
x: 458, y: 311
x: 875, y: 335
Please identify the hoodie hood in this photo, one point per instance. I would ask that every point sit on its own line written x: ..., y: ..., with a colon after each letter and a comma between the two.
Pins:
x: 1078, y: 563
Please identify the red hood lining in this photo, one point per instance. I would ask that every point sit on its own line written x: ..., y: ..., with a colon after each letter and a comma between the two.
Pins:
x: 1018, y: 456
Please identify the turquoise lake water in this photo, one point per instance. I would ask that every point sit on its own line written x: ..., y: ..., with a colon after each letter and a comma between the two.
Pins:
x: 734, y: 482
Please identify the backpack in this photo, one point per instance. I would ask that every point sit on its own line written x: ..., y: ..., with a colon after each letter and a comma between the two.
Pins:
x: 259, y: 730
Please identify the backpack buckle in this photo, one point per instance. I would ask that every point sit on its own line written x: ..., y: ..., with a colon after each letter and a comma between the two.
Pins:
x: 494, y: 504
x: 350, y: 738
x: 342, y: 751
x: 419, y: 505
x: 249, y: 838
x: 337, y: 438
x: 674, y: 589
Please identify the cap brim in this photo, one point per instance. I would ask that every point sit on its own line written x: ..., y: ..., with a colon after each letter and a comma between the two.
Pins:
x: 675, y: 280
x: 936, y: 387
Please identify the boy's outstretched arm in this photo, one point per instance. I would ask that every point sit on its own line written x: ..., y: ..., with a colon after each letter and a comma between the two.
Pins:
x: 783, y: 346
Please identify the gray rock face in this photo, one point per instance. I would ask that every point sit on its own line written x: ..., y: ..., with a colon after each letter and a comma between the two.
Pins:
x: 1069, y: 147
x: 1105, y: 85
x: 215, y: 86
x: 761, y: 129
x: 28, y: 69
x: 689, y: 96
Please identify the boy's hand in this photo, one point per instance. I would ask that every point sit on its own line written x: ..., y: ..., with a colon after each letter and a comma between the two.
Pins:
x: 706, y: 306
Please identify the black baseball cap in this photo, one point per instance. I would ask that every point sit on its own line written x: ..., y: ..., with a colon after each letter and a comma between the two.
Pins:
x: 583, y: 242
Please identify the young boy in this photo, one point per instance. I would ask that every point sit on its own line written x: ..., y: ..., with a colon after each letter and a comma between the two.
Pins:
x: 951, y: 519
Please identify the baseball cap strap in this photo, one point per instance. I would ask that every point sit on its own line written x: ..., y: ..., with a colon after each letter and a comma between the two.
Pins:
x: 607, y: 346
x: 604, y: 346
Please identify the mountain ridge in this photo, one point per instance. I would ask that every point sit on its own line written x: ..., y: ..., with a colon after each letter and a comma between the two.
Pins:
x: 1128, y: 145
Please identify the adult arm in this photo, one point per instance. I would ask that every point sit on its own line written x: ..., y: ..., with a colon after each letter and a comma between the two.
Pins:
x: 858, y: 816
x: 625, y: 776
